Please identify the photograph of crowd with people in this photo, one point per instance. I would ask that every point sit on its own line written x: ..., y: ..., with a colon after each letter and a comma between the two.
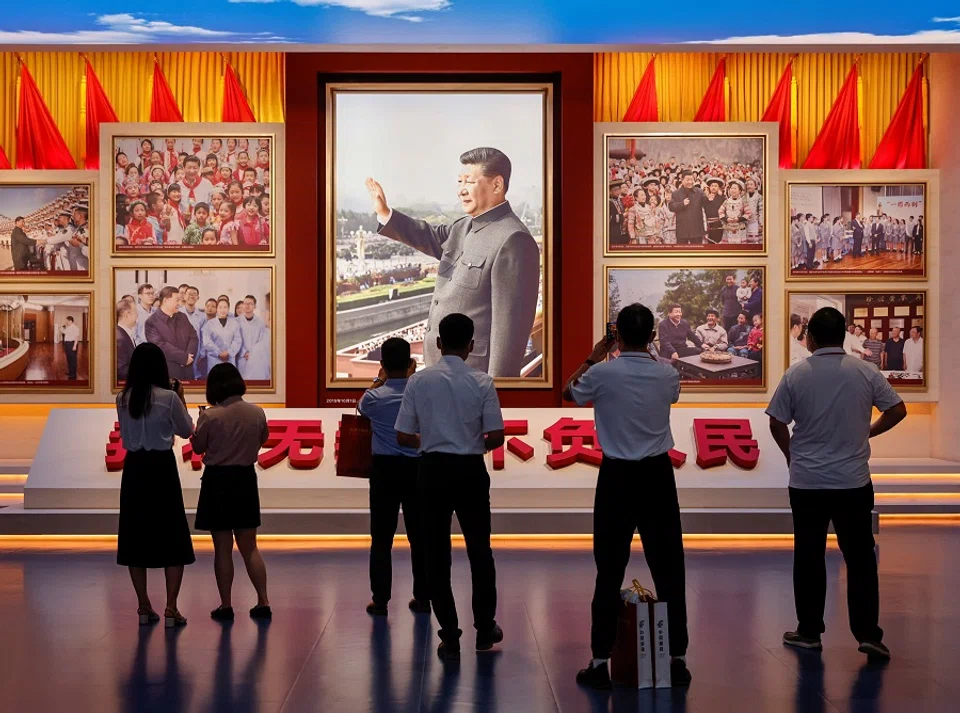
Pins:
x: 206, y: 194
x: 708, y: 323
x: 685, y: 194
x: 45, y: 230
x: 199, y: 318
x: 885, y: 329
x: 45, y: 341
x: 857, y: 230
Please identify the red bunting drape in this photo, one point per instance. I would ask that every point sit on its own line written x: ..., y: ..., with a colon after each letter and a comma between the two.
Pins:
x: 4, y: 161
x: 99, y: 111
x: 904, y: 144
x: 714, y: 104
x: 235, y: 106
x: 163, y: 105
x: 643, y: 106
x: 779, y: 110
x: 39, y: 142
x: 838, y: 143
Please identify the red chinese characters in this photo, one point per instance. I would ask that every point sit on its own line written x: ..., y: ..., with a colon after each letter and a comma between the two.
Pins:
x: 116, y: 453
x: 718, y: 438
x: 288, y: 439
x: 580, y: 437
x: 519, y: 448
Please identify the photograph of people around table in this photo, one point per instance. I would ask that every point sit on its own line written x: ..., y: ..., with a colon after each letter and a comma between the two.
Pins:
x: 199, y: 318
x: 439, y: 208
x: 45, y: 342
x: 196, y: 194
x: 708, y: 323
x: 854, y: 230
x: 45, y: 231
x: 685, y: 194
x: 883, y: 328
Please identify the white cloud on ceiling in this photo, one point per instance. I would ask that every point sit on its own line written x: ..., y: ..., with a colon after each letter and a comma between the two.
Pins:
x: 929, y: 37
x: 396, y: 9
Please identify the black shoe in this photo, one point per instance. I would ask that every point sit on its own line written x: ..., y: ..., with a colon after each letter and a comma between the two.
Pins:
x: 419, y: 606
x: 261, y: 612
x: 449, y: 650
x: 595, y: 677
x: 874, y: 650
x: 222, y: 614
x: 486, y: 641
x: 798, y: 640
x: 377, y: 609
x: 679, y: 673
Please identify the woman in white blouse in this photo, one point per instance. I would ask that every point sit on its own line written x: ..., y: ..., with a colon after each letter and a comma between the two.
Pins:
x: 153, y: 529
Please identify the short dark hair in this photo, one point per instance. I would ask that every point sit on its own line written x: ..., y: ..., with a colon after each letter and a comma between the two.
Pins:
x: 69, y: 318
x: 713, y: 312
x: 828, y: 327
x: 635, y: 325
x: 395, y: 354
x: 456, y: 331
x: 191, y: 159
x: 168, y: 292
x: 18, y: 219
x: 194, y: 288
x: 224, y: 381
x: 493, y: 163
x: 123, y: 306
x: 144, y: 287
x: 673, y: 307
x: 250, y: 297
x: 795, y: 321
x: 201, y: 206
x: 182, y: 285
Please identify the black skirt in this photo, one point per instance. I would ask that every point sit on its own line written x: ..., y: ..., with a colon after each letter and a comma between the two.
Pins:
x: 153, y: 524
x: 229, y: 498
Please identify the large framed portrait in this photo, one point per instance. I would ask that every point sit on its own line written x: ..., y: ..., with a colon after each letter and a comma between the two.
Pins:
x: 186, y: 189
x: 885, y: 328
x: 46, y: 341
x: 709, y: 323
x: 440, y: 202
x: 199, y: 317
x: 47, y: 226
x: 686, y: 192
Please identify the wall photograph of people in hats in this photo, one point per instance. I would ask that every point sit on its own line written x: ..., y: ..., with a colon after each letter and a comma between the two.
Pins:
x: 199, y: 194
x: 708, y: 323
x: 685, y: 194
x: 45, y: 231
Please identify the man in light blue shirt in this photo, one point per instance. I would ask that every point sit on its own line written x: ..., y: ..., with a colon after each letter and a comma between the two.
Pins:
x: 636, y: 486
x: 198, y: 318
x: 830, y: 398
x: 393, y: 482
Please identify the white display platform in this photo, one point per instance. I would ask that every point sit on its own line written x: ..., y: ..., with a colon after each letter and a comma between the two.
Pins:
x: 70, y: 490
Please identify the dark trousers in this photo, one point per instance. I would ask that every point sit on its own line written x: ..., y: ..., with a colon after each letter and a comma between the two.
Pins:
x: 458, y: 484
x: 811, y: 256
x: 729, y: 322
x: 850, y: 510
x: 393, y: 484
x: 858, y: 246
x: 681, y: 350
x: 631, y: 496
x: 68, y: 348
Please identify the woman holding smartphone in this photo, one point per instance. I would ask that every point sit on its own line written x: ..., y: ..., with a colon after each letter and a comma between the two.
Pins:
x: 153, y: 531
x: 229, y: 436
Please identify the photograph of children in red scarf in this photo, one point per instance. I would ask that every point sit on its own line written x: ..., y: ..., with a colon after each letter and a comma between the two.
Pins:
x: 169, y: 191
x: 685, y: 194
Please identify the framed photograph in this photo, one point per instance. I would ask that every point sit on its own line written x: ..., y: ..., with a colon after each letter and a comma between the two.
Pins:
x: 861, y: 312
x: 183, y: 189
x: 47, y: 221
x: 858, y: 224
x: 709, y: 322
x: 46, y: 342
x: 199, y: 316
x: 405, y: 248
x: 689, y: 193
x: 895, y: 344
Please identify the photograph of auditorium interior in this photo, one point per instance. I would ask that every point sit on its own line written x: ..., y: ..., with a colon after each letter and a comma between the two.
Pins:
x: 45, y: 341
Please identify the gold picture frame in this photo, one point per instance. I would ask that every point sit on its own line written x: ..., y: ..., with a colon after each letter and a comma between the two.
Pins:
x: 92, y: 341
x: 734, y: 387
x: 442, y: 86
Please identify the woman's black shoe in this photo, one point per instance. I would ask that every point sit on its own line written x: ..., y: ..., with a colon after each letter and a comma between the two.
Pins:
x: 222, y: 614
x: 595, y: 677
x: 679, y: 673
x: 376, y: 609
x: 261, y: 612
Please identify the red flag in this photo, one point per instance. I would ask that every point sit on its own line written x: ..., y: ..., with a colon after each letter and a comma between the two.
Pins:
x: 4, y: 161
x: 838, y: 143
x: 904, y: 144
x: 163, y: 105
x: 779, y: 110
x: 39, y: 142
x: 99, y: 110
x: 235, y: 106
x: 643, y: 106
x: 714, y: 105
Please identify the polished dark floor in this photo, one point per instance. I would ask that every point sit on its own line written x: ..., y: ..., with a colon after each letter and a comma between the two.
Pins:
x: 70, y: 640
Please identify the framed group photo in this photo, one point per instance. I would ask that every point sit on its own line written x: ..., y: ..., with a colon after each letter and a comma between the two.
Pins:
x: 690, y: 192
x: 439, y: 200
x: 886, y: 328
x: 708, y: 322
x: 47, y: 226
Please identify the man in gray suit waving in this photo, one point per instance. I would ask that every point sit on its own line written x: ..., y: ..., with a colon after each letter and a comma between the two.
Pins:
x: 489, y: 264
